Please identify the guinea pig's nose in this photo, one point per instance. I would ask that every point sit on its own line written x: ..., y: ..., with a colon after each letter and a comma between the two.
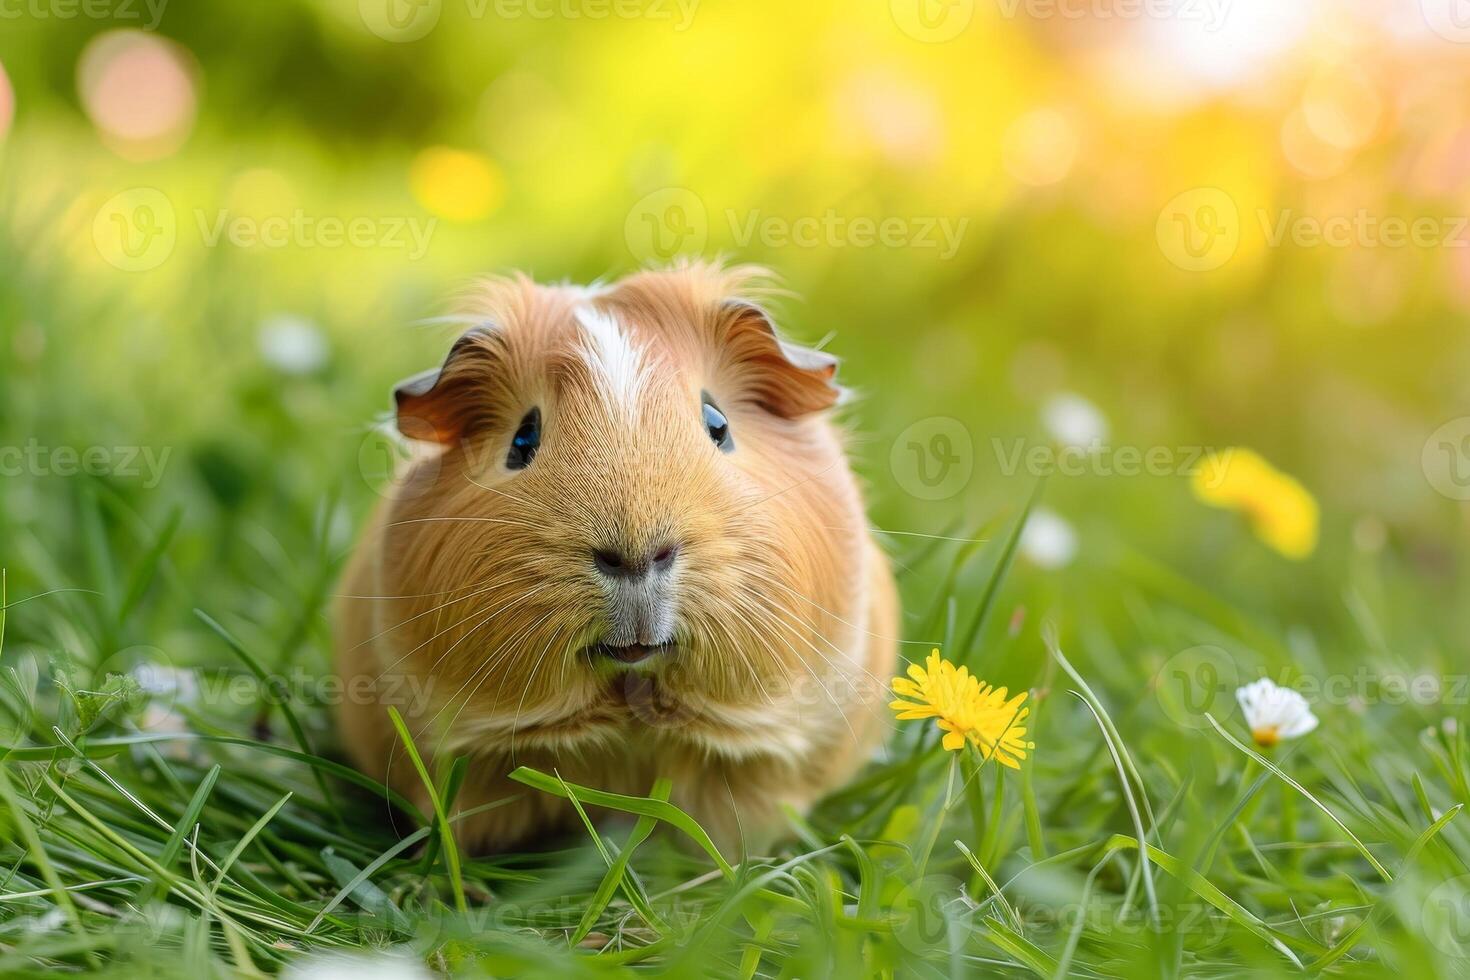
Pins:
x: 619, y: 564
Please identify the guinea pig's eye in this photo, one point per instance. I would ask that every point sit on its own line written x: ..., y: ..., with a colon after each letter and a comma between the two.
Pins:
x: 717, y: 425
x: 525, y: 442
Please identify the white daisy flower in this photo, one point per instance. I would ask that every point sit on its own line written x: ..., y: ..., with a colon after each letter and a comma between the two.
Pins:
x: 359, y: 966
x: 1274, y: 713
x: 293, y: 344
x: 1047, y: 540
x: 1074, y: 421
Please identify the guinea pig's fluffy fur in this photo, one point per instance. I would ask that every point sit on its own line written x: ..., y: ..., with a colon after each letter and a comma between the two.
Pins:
x: 586, y: 573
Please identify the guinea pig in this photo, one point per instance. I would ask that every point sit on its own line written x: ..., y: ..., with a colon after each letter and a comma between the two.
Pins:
x: 632, y: 549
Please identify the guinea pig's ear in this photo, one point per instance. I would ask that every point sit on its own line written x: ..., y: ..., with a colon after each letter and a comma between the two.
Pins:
x: 440, y: 405
x: 787, y: 379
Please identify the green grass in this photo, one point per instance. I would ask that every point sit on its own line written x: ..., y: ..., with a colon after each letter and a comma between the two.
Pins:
x: 224, y: 834
x: 1130, y: 845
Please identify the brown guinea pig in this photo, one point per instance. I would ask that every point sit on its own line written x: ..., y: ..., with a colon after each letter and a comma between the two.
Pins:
x: 634, y: 550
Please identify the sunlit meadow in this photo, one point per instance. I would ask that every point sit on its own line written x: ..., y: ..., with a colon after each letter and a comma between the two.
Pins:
x: 1154, y: 311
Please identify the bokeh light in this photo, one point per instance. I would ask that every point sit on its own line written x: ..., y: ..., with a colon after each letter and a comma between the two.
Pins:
x: 456, y: 185
x: 1342, y: 106
x: 1041, y: 147
x: 139, y: 91
x: 7, y: 102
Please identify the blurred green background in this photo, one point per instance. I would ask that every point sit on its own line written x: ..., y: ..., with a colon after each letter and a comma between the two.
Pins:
x: 1136, y: 228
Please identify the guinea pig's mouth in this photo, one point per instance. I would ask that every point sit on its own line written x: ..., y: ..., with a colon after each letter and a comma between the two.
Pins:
x: 632, y: 653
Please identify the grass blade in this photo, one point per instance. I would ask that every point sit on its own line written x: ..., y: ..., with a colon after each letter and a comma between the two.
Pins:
x: 446, y: 833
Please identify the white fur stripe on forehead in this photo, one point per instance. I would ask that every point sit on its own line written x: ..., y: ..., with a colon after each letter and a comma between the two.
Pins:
x: 611, y: 354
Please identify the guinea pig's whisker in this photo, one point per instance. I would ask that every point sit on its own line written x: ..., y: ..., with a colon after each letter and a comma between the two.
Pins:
x: 920, y: 534
x: 860, y: 629
x: 427, y: 612
x: 493, y: 613
x: 479, y: 677
x: 420, y: 595
x: 802, y: 482
x: 525, y: 634
x: 478, y: 587
x: 530, y: 681
x: 523, y: 501
x: 794, y: 614
x: 451, y: 626
x: 912, y: 534
x: 466, y: 520
x: 814, y: 674
x: 507, y: 646
x: 739, y: 648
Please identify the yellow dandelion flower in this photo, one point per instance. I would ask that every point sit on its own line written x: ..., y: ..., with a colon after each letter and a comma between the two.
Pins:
x: 1281, y: 511
x: 965, y: 709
